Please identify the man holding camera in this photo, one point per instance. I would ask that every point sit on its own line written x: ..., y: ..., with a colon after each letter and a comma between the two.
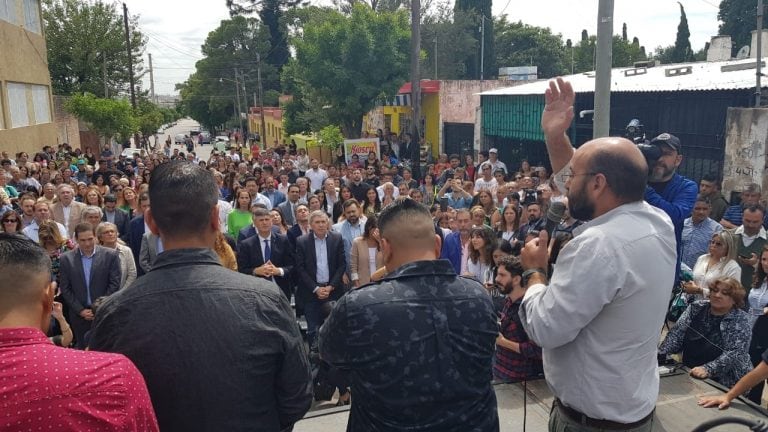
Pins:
x: 667, y: 189
x: 598, y: 319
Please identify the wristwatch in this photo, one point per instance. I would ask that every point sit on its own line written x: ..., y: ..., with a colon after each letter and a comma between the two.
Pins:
x: 528, y: 273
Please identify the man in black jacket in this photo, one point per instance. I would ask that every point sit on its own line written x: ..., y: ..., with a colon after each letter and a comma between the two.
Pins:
x: 219, y: 350
x: 420, y: 342
x: 320, y: 266
x: 267, y: 255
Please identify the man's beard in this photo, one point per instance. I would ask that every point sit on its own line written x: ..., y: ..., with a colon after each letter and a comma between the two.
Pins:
x: 581, y: 207
x: 353, y: 220
x: 659, y: 173
x: 505, y: 289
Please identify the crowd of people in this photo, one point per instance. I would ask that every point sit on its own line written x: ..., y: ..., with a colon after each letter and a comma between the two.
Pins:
x: 362, y: 247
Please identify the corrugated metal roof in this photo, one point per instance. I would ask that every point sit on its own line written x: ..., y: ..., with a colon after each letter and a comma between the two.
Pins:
x: 684, y: 77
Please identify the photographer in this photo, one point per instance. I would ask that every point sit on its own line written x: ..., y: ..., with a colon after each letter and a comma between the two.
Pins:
x: 667, y: 189
x: 457, y: 197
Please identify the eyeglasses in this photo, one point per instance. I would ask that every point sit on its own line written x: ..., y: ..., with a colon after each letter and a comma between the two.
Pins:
x: 571, y: 175
x: 10, y: 221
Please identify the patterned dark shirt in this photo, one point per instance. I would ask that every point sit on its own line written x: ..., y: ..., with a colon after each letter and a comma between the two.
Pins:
x: 509, y: 365
x: 419, y: 348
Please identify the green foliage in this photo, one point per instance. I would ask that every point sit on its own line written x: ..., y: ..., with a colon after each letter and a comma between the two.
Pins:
x: 738, y: 19
x: 108, y: 117
x: 331, y: 136
x: 519, y: 44
x: 148, y: 117
x: 209, y: 94
x: 272, y: 16
x: 475, y: 11
x: 344, y: 63
x: 376, y: 5
x: 454, y: 43
x: 625, y: 53
x: 83, y: 38
x: 682, y: 51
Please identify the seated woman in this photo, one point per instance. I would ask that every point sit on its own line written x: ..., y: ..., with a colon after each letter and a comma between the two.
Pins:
x: 720, y: 261
x: 713, y: 335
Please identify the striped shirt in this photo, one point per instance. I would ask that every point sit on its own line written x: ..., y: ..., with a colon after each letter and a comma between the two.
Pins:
x: 696, y: 239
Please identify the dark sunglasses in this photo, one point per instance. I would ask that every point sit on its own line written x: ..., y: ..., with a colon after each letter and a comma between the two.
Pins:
x: 10, y: 220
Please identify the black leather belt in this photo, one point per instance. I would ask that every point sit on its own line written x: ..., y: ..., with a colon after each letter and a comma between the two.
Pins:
x: 585, y: 420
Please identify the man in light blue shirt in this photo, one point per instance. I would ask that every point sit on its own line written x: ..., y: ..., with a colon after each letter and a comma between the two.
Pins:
x: 698, y: 231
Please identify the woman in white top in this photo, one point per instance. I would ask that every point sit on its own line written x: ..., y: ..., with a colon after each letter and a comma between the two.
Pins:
x: 302, y: 161
x: 509, y: 225
x: 482, y: 242
x: 365, y: 256
x: 106, y: 233
x: 719, y: 262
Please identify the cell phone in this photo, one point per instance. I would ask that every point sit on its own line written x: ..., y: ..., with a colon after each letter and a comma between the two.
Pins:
x: 745, y: 257
x: 443, y: 205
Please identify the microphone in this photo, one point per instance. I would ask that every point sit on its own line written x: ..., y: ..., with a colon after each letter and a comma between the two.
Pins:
x: 555, y: 216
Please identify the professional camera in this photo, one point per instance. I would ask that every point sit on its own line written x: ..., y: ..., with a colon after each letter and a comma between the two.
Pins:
x: 634, y: 132
x: 530, y: 197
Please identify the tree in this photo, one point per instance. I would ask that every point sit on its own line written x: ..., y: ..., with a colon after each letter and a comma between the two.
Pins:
x: 625, y: 53
x: 344, y: 63
x: 738, y: 19
x: 83, y: 40
x: 519, y: 44
x: 624, y: 32
x: 376, y: 5
x: 454, y: 43
x: 480, y: 15
x: 682, y: 51
x: 110, y: 118
x: 271, y: 13
x: 209, y: 95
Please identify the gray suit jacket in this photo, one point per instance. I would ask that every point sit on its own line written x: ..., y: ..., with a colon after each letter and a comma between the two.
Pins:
x: 75, y: 209
x: 104, y: 277
x: 288, y: 216
x: 148, y: 252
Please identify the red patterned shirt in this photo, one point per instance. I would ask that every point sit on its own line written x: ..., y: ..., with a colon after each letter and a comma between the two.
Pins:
x: 509, y: 365
x: 53, y: 388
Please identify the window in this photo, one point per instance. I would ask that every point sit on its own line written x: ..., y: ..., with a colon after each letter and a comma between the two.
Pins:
x: 17, y: 102
x: 32, y: 16
x: 8, y: 11
x: 2, y: 123
x: 20, y: 96
x: 41, y: 103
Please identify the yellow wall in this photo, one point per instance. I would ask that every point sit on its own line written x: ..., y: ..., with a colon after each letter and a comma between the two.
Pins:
x: 24, y: 61
x: 394, y: 113
x: 274, y: 129
x: 430, y: 106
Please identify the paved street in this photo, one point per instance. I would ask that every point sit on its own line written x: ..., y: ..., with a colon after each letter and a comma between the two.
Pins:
x: 183, y: 126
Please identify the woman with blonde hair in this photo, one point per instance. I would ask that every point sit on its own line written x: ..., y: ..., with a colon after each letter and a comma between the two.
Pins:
x: 225, y: 252
x: 93, y: 197
x: 720, y: 261
x: 128, y: 201
x: 106, y: 233
x: 52, y: 241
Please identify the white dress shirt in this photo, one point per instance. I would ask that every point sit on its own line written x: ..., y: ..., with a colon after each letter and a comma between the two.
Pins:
x: 598, y: 321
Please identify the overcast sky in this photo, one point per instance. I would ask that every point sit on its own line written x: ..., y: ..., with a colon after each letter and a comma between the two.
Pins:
x: 176, y: 29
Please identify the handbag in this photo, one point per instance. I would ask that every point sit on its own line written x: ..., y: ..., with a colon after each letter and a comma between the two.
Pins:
x: 677, y: 305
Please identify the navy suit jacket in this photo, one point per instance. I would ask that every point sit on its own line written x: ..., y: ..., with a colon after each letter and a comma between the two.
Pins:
x: 294, y: 232
x: 249, y: 257
x: 306, y: 267
x: 451, y: 250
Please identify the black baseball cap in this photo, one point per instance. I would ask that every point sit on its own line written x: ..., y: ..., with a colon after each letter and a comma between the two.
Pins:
x: 670, y: 140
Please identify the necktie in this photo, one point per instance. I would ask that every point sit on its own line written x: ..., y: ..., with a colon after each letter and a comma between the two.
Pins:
x: 267, y: 251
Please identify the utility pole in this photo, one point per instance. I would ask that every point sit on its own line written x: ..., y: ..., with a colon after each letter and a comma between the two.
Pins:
x: 245, y: 103
x: 130, y: 57
x: 482, y: 46
x: 151, y: 80
x: 239, y: 109
x: 416, y: 83
x: 104, y: 75
x: 759, y: 48
x: 261, y: 102
x: 602, y: 120
x: 435, y: 56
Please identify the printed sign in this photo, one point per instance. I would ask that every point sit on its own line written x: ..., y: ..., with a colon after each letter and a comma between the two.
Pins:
x: 361, y: 148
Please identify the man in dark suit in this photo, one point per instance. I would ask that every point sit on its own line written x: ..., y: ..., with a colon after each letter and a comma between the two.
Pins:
x: 320, y: 265
x: 267, y: 255
x: 136, y: 230
x: 301, y: 226
x: 117, y: 216
x: 87, y: 273
x: 288, y: 207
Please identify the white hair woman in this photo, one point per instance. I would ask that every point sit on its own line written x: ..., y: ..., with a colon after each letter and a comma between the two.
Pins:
x: 106, y: 232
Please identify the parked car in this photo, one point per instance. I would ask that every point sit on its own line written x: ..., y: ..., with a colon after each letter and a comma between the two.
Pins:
x: 179, y: 139
x: 206, y: 137
x: 128, y: 153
